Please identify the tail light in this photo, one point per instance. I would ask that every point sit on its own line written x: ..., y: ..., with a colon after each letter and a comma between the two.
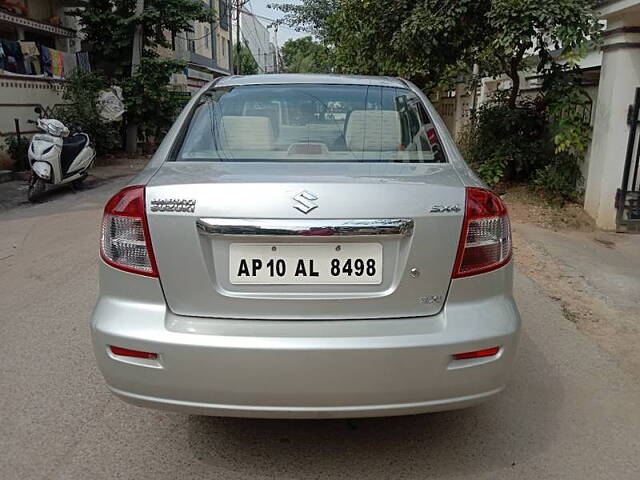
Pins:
x: 485, y: 241
x: 125, y: 243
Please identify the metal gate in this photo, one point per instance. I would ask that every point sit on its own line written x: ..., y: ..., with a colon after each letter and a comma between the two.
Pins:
x: 628, y: 195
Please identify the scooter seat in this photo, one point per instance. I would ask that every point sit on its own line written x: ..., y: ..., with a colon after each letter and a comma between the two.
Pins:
x: 71, y: 147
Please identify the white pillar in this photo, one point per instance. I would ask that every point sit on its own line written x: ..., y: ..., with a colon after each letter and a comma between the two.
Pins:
x: 619, y: 77
x: 462, y: 105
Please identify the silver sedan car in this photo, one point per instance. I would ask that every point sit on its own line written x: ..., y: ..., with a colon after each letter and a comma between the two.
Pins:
x: 306, y: 246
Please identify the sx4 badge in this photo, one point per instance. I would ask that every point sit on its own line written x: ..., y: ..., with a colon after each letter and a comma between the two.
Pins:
x: 173, y: 205
x: 430, y: 299
x: 445, y: 208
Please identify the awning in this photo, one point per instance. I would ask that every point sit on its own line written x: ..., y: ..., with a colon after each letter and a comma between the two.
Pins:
x: 35, y: 25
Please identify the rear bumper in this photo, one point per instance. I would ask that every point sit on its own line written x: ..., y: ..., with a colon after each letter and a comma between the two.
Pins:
x: 308, y: 369
x: 319, y: 412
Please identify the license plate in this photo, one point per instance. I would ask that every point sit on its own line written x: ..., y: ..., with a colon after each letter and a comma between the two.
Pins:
x: 314, y: 264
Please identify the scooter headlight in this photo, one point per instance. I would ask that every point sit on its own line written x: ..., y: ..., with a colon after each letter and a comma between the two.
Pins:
x: 42, y: 169
x: 55, y: 130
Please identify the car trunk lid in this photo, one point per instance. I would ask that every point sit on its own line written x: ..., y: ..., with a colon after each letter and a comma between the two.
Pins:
x: 206, y: 218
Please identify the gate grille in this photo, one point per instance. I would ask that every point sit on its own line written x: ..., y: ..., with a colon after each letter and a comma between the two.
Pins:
x: 628, y: 195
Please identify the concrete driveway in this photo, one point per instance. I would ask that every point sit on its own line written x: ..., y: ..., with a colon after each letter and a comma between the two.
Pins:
x: 569, y: 411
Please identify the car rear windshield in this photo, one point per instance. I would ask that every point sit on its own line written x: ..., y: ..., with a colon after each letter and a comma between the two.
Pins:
x: 310, y: 122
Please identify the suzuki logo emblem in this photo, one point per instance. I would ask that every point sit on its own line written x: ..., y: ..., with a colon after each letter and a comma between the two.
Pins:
x: 305, y: 202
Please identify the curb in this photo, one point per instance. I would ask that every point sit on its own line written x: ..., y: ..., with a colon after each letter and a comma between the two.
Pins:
x: 10, y: 175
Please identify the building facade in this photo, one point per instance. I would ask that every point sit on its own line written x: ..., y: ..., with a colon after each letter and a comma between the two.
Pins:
x: 40, y: 46
x: 206, y: 50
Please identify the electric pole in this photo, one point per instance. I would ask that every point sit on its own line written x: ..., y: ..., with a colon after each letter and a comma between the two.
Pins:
x: 136, y: 55
x: 276, y: 58
x: 238, y: 66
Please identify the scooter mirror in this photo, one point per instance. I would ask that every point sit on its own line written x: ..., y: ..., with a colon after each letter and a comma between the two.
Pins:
x: 38, y: 110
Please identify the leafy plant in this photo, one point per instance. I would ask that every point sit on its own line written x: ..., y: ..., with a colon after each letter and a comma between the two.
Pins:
x: 516, y: 29
x: 18, y: 150
x: 540, y: 141
x: 507, y: 144
x: 81, y: 110
x: 108, y: 28
x: 148, y: 98
x: 561, y: 179
x: 418, y: 40
x: 309, y: 16
x: 569, y: 108
x: 431, y: 40
x: 493, y: 169
x: 304, y: 55
x: 244, y: 58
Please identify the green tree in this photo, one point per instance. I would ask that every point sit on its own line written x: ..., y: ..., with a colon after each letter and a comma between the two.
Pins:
x: 517, y: 29
x: 422, y: 41
x: 303, y: 55
x: 81, y: 110
x: 244, y: 58
x: 433, y: 40
x: 149, y: 101
x: 309, y: 16
x: 108, y: 27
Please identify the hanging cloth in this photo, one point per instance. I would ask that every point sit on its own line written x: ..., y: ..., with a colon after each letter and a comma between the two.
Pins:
x: 83, y: 61
x: 69, y: 62
x: 30, y: 54
x: 57, y: 65
x: 45, y: 61
x: 2, y: 57
x: 14, y: 61
x: 32, y: 62
x: 29, y: 48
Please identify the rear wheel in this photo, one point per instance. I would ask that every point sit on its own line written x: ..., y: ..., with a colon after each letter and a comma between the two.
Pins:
x: 36, y: 188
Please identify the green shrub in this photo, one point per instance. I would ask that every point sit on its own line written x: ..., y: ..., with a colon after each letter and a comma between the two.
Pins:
x: 540, y: 142
x: 507, y: 144
x: 81, y: 111
x: 561, y: 179
x: 149, y: 100
x: 569, y: 108
x: 19, y: 152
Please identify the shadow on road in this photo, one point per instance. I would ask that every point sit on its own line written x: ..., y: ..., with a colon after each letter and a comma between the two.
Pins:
x: 13, y: 195
x: 518, y: 424
x: 56, y: 192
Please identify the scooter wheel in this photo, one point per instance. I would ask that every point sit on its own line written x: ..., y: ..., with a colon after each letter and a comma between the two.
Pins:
x: 78, y: 183
x: 36, y: 189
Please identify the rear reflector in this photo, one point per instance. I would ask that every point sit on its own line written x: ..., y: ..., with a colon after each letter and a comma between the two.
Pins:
x: 485, y: 240
x: 487, y: 352
x: 125, y: 352
x: 125, y: 242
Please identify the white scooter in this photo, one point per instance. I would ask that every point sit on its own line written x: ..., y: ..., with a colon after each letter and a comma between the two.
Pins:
x: 57, y: 158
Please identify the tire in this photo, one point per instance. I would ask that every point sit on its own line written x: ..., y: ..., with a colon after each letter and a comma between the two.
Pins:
x: 78, y: 183
x: 36, y: 189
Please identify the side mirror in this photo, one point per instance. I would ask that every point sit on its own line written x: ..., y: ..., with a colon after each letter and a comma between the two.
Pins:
x: 38, y: 110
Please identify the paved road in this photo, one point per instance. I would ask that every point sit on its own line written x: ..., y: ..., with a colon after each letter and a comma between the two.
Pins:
x: 568, y: 412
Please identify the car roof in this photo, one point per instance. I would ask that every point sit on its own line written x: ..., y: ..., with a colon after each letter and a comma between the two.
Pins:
x: 327, y: 79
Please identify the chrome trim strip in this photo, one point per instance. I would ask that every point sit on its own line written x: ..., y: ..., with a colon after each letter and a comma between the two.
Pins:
x: 305, y: 228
